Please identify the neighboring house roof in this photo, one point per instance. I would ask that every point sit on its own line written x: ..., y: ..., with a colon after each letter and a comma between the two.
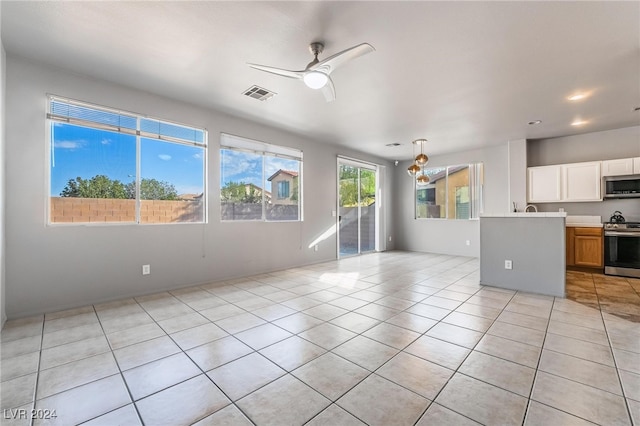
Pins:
x: 443, y: 174
x: 287, y: 172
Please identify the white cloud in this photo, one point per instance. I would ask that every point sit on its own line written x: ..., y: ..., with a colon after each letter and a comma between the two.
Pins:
x: 272, y: 165
x: 197, y: 156
x: 106, y: 141
x: 69, y: 144
x: 164, y: 157
x: 239, y: 163
x: 239, y: 168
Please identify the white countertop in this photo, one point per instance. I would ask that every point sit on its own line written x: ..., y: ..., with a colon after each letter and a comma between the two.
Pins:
x: 526, y: 215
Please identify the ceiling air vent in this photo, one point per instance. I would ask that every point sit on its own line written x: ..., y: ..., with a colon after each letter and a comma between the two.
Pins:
x: 259, y: 93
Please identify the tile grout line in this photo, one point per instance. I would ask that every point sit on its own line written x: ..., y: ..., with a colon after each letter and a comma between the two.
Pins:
x: 615, y: 363
x: 537, y: 368
x: 35, y: 389
x: 121, y: 375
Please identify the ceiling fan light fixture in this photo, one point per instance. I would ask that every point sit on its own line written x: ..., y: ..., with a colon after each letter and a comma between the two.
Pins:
x: 315, y: 79
x: 317, y: 73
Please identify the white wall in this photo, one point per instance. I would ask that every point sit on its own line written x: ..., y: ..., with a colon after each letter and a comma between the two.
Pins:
x: 450, y: 236
x: 606, y: 145
x: 55, y: 267
x: 3, y: 315
x: 517, y: 174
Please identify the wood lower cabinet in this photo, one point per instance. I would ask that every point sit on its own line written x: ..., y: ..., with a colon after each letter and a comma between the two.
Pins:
x: 585, y: 247
x: 570, y: 246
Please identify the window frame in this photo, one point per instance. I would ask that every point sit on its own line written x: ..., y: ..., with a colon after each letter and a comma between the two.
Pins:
x: 51, y: 118
x: 266, y: 150
x: 476, y: 192
x: 283, y: 190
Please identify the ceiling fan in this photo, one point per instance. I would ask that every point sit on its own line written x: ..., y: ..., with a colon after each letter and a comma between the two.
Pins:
x: 317, y: 73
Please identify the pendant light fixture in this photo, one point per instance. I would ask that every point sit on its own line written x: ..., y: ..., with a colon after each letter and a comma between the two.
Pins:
x: 413, y: 169
x: 417, y: 168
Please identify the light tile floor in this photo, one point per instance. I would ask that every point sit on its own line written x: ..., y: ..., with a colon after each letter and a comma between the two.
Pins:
x: 393, y: 338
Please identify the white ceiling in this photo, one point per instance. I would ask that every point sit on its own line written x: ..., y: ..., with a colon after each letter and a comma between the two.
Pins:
x: 461, y: 74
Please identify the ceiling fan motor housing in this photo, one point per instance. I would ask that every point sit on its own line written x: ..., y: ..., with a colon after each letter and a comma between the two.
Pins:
x: 316, y: 48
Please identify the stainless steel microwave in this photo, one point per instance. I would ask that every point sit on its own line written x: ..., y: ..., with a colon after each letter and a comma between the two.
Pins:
x: 622, y: 186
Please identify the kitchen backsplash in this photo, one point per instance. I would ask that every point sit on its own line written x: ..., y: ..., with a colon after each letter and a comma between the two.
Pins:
x: 630, y: 208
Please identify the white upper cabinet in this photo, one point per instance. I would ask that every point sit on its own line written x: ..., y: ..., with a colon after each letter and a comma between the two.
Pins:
x: 544, y: 184
x: 581, y: 181
x: 620, y: 167
x: 565, y: 182
x: 636, y: 166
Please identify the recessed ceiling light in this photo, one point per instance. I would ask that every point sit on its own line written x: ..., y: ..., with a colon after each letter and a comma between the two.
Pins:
x: 534, y: 122
x: 579, y: 122
x: 577, y: 96
x: 393, y: 144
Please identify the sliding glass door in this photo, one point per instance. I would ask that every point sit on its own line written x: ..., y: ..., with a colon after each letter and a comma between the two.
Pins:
x: 357, y: 207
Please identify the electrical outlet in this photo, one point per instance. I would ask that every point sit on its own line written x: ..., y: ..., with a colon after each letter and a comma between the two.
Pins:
x: 468, y: 242
x: 146, y: 269
x: 389, y: 238
x: 508, y: 264
x: 315, y: 248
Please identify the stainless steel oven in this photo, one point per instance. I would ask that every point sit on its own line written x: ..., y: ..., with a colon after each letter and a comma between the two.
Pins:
x: 622, y: 249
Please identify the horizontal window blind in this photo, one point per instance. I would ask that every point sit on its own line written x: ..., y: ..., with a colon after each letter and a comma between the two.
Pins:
x: 249, y: 145
x: 74, y: 112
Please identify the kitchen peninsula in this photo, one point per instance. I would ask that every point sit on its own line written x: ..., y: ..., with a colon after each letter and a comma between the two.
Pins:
x: 524, y: 251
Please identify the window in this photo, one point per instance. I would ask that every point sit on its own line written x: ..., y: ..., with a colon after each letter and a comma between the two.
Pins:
x: 283, y: 189
x: 259, y: 181
x: 453, y: 192
x: 110, y: 166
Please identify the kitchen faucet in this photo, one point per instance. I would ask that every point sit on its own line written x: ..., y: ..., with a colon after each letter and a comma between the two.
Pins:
x: 535, y: 209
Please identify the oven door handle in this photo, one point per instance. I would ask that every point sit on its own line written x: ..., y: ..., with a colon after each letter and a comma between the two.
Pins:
x: 621, y: 234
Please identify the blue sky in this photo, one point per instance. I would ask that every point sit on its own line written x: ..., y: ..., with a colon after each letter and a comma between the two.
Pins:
x: 80, y: 151
x: 86, y: 152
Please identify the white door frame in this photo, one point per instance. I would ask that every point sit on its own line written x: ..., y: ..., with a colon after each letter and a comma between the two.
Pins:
x: 380, y: 242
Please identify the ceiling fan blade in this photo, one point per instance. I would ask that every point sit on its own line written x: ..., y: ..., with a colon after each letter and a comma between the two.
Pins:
x: 329, y: 91
x: 332, y: 62
x: 278, y: 71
